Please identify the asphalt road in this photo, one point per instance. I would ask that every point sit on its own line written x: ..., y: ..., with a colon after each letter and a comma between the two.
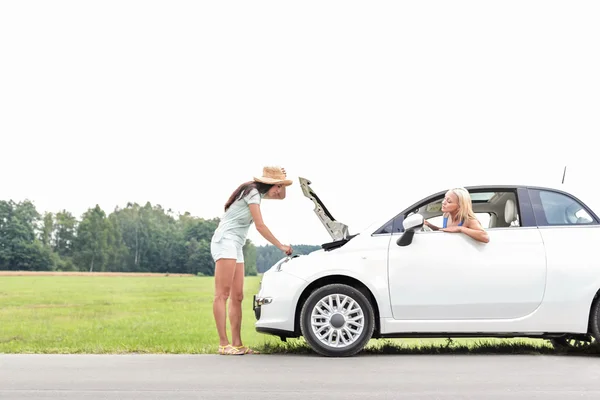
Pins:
x: 284, y: 377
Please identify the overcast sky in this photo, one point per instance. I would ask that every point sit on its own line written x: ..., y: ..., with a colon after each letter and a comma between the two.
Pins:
x: 378, y: 103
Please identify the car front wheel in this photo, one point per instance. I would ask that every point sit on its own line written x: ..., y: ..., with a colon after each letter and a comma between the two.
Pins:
x: 337, y: 320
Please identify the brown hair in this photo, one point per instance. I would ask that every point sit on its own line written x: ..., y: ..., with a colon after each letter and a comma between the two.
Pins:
x: 244, y: 189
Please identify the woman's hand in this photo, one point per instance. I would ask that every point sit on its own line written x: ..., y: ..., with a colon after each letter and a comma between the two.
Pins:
x: 430, y: 226
x: 286, y: 249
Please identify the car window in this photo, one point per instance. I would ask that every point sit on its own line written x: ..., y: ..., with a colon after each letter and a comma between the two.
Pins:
x: 493, y: 209
x: 386, y: 229
x: 553, y: 208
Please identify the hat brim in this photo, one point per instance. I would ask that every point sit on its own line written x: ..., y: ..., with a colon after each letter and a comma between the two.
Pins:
x: 271, y: 181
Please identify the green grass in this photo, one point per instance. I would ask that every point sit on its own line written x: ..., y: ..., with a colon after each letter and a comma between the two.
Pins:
x: 438, y: 346
x: 72, y: 314
x: 84, y: 314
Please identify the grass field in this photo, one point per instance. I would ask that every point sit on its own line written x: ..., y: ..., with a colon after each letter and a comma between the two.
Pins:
x: 160, y: 314
x: 113, y: 314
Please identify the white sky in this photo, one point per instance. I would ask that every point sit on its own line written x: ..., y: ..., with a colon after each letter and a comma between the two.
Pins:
x: 177, y: 103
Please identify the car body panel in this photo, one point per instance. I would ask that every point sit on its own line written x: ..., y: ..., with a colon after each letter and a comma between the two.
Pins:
x: 573, y: 255
x: 465, y: 279
x: 368, y: 257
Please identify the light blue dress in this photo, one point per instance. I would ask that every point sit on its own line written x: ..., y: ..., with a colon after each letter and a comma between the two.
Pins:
x: 446, y: 222
x: 230, y: 235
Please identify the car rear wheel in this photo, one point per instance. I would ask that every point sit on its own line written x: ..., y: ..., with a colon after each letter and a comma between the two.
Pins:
x: 582, y: 342
x: 569, y: 343
x: 595, y: 322
x: 337, y: 320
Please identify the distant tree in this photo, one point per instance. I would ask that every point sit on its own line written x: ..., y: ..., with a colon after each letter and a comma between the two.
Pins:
x: 64, y: 232
x: 47, y: 229
x: 249, y: 251
x: 92, y: 240
x: 20, y: 249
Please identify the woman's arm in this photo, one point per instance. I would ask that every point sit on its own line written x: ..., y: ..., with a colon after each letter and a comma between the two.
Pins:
x: 264, y: 231
x: 433, y: 227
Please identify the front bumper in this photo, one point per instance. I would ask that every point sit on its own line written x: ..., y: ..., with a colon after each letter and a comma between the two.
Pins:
x: 274, y: 306
x: 257, y: 302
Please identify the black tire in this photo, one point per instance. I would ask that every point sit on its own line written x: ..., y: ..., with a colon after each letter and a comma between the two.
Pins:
x: 595, y: 321
x: 582, y: 342
x: 569, y: 344
x: 349, y: 320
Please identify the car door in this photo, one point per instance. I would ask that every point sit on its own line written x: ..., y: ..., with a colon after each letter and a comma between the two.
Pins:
x: 446, y: 276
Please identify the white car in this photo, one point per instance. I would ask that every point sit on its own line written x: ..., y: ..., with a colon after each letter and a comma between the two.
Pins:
x: 538, y: 277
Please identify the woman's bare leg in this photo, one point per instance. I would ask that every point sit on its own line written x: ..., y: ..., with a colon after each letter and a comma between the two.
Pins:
x: 224, y: 273
x: 235, y: 305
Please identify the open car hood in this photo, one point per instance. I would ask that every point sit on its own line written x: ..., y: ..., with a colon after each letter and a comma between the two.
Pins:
x: 338, y: 231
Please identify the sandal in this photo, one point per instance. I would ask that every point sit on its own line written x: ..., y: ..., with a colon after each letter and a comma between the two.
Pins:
x: 229, y: 350
x: 246, y: 350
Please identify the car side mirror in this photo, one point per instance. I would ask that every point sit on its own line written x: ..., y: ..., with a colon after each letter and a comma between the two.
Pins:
x: 410, y: 224
x: 413, y: 222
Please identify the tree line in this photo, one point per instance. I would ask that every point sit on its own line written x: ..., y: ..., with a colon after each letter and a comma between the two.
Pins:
x: 135, y: 238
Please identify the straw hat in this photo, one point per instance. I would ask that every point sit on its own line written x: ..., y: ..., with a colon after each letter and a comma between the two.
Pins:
x: 273, y: 176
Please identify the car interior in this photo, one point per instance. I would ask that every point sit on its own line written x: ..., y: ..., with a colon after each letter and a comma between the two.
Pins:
x: 493, y: 209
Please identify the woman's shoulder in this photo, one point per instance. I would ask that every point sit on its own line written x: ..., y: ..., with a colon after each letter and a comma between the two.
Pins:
x: 253, y: 197
x: 472, y: 222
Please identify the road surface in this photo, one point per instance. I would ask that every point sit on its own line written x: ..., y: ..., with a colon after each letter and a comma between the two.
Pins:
x: 287, y: 377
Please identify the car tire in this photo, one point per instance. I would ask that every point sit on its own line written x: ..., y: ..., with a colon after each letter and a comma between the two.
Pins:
x: 582, y: 342
x: 337, y: 332
x: 569, y: 344
x: 595, y: 321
